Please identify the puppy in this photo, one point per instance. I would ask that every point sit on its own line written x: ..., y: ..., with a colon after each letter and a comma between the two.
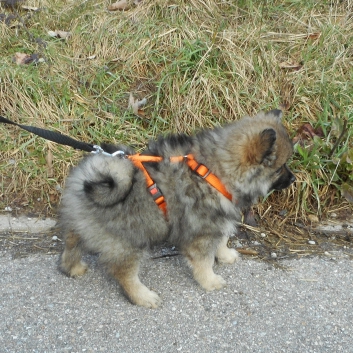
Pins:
x: 107, y: 208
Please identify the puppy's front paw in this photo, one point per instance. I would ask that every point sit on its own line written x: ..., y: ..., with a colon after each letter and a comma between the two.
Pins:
x: 227, y: 255
x: 213, y: 282
x: 147, y: 298
x: 75, y: 270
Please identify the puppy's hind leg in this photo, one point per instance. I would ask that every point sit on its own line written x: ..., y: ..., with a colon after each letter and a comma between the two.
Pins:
x: 125, y: 271
x: 70, y: 262
x: 201, y: 256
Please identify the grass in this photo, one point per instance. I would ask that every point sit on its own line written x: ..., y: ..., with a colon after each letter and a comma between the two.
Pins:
x: 199, y: 63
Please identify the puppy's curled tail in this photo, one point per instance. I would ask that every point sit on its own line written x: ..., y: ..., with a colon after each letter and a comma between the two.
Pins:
x: 109, y: 181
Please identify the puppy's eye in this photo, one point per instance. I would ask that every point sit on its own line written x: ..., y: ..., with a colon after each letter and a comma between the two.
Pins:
x: 279, y: 170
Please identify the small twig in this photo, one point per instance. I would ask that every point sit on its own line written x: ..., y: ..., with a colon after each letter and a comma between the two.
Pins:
x: 278, y: 234
x: 246, y: 226
x: 38, y: 247
x: 248, y: 252
x: 22, y: 238
x: 162, y: 256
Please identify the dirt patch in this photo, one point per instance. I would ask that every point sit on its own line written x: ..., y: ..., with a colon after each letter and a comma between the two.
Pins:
x: 20, y: 244
x: 272, y: 246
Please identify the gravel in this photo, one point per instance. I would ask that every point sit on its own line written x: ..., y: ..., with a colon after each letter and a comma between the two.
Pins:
x: 302, y: 305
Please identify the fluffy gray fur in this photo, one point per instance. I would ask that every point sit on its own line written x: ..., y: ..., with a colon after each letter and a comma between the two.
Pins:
x: 107, y: 209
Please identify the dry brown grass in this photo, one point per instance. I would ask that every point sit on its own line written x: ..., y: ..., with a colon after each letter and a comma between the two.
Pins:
x: 199, y: 63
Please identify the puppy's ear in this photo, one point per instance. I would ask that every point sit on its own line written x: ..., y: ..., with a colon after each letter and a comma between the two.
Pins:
x: 268, y: 139
x: 260, y: 147
x: 276, y: 113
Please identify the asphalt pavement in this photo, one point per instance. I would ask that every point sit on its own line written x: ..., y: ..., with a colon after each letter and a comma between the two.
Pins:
x: 298, y: 305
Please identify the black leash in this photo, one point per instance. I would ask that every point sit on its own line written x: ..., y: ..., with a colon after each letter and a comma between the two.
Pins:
x: 54, y: 136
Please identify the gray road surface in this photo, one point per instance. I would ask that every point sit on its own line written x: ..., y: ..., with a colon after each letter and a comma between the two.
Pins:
x: 304, y: 306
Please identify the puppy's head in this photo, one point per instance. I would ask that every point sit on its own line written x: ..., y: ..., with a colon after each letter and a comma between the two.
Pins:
x: 261, y: 148
x: 271, y: 148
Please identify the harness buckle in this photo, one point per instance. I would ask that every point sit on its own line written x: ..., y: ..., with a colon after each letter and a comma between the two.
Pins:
x: 204, y: 173
x: 155, y: 192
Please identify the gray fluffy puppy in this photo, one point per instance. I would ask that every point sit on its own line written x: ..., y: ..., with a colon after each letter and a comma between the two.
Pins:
x: 106, y: 207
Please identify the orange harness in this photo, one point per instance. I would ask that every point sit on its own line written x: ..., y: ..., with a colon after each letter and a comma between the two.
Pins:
x: 199, y: 169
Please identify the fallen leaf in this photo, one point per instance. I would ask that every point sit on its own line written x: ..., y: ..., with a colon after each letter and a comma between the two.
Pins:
x: 121, y: 5
x: 59, y: 34
x: 310, y: 131
x: 291, y: 65
x: 23, y: 59
x: 136, y: 105
x: 307, y: 132
x: 314, y: 36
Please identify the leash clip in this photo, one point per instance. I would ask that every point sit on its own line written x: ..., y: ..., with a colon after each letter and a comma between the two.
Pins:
x: 120, y: 154
x: 99, y: 150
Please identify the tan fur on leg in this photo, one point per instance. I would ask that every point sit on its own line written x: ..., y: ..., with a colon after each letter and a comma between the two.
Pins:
x: 126, y: 273
x: 70, y: 262
x: 226, y: 255
x: 202, y: 266
x: 204, y: 275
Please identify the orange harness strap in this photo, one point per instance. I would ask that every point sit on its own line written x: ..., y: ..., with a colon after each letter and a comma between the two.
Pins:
x: 206, y: 174
x: 198, y: 168
x: 152, y: 187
